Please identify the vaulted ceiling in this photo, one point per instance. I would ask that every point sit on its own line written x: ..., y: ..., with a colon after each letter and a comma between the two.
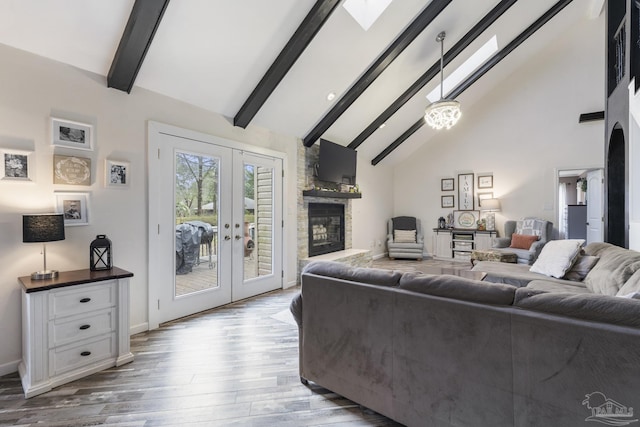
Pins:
x: 273, y: 63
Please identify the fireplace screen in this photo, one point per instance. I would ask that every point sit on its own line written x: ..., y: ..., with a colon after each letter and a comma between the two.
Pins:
x: 326, y: 228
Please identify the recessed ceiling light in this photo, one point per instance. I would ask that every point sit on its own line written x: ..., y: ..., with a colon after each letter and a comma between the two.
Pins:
x: 331, y: 96
x: 382, y: 125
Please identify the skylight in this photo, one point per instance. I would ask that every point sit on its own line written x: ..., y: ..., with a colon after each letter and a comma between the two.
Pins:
x: 466, y: 68
x: 365, y: 12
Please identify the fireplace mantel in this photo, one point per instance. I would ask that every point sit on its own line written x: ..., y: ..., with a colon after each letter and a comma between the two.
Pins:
x: 331, y: 194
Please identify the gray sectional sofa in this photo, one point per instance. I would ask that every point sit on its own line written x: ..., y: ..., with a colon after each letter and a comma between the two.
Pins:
x: 438, y: 350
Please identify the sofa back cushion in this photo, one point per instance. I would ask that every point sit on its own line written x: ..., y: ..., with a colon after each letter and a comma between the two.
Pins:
x: 614, y: 268
x: 372, y: 276
x: 456, y: 287
x: 600, y: 308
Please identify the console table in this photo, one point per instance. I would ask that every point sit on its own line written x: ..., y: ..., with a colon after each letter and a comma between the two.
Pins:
x: 72, y: 326
x: 458, y: 243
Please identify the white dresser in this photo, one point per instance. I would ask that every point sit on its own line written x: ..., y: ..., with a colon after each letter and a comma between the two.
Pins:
x: 72, y: 326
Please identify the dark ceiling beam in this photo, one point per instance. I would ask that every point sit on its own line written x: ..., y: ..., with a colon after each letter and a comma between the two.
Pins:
x: 312, y: 23
x: 143, y: 22
x: 590, y: 117
x: 380, y: 64
x: 468, y: 38
x: 481, y: 71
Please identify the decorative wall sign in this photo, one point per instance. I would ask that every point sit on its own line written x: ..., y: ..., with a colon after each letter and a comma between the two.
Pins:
x: 465, y: 219
x: 117, y: 173
x: 71, y: 170
x: 485, y: 181
x: 70, y: 134
x: 447, y: 184
x: 16, y: 165
x: 447, y: 201
x: 74, y: 206
x: 465, y: 192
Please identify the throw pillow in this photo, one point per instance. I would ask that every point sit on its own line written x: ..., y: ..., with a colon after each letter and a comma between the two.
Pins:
x: 581, y: 268
x: 404, y: 236
x: 557, y: 257
x: 522, y: 241
x: 530, y: 226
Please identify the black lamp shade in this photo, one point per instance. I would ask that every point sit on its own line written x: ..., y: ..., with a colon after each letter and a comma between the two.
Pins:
x: 42, y: 228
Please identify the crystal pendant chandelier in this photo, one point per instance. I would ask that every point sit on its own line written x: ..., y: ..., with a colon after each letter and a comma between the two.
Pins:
x: 445, y: 112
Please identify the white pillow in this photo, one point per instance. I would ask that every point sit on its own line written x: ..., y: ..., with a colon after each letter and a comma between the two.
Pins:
x: 557, y: 257
x: 404, y: 236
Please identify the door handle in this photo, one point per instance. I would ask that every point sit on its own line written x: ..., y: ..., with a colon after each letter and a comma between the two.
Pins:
x: 238, y: 237
x: 227, y: 238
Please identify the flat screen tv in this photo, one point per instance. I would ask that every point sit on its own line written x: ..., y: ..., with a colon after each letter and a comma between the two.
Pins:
x: 337, y: 163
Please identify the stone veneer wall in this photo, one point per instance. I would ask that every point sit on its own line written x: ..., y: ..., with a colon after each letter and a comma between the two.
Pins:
x: 306, y: 161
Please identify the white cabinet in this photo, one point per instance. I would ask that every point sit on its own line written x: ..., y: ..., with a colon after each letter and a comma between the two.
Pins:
x: 458, y: 243
x: 72, y: 326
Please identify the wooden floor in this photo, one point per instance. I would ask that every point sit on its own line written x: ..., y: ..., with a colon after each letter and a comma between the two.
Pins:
x: 233, y: 366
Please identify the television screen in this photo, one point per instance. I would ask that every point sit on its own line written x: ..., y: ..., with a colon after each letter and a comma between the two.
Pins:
x: 337, y: 163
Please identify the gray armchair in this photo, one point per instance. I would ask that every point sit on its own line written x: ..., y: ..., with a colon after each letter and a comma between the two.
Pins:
x: 404, y: 244
x: 526, y: 226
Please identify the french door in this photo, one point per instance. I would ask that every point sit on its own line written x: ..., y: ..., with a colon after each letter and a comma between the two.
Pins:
x: 215, y: 224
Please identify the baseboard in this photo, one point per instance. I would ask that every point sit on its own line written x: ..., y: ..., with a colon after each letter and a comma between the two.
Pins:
x: 9, y: 368
x: 382, y: 255
x: 136, y: 329
x: 290, y: 284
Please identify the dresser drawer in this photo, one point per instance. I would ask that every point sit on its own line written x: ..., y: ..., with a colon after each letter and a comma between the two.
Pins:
x: 68, y: 330
x: 78, y: 355
x: 82, y: 299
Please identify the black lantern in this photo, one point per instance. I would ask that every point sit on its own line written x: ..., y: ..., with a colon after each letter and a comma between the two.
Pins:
x: 100, y: 255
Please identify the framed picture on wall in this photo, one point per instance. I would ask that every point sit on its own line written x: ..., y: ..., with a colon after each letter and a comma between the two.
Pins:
x: 484, y: 196
x: 116, y: 174
x: 447, y: 201
x: 74, y: 207
x: 447, y: 184
x: 465, y: 219
x: 65, y: 133
x: 16, y: 165
x: 465, y: 192
x: 71, y: 170
x: 485, y: 181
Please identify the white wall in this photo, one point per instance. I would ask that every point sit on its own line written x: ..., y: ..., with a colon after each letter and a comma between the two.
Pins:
x: 35, y: 88
x: 521, y: 132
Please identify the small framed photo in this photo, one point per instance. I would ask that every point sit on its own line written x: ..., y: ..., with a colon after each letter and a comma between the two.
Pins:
x: 74, y: 207
x: 447, y: 184
x: 16, y: 165
x: 447, y: 201
x: 465, y: 219
x: 485, y: 181
x: 65, y: 133
x: 116, y: 173
x: 71, y: 170
x: 484, y: 196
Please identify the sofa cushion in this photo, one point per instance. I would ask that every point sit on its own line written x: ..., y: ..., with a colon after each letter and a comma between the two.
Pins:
x: 580, y: 268
x: 373, y: 276
x: 567, y: 287
x: 448, y: 286
x: 557, y: 257
x: 296, y: 308
x: 614, y: 268
x: 522, y: 241
x: 404, y: 236
x: 600, y: 308
x: 511, y: 274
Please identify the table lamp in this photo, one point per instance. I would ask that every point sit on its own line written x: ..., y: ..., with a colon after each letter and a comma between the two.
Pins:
x: 43, y: 228
x: 491, y: 206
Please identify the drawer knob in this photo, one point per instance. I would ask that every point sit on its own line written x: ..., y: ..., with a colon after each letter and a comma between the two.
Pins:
x: 83, y: 327
x: 85, y: 353
x: 83, y: 300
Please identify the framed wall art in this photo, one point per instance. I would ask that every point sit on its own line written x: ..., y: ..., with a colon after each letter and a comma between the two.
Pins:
x: 484, y: 196
x: 447, y: 184
x: 465, y: 219
x: 16, y: 165
x: 74, y: 207
x: 465, y: 192
x: 116, y: 173
x: 447, y: 201
x: 485, y: 181
x: 71, y: 170
x: 65, y: 133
